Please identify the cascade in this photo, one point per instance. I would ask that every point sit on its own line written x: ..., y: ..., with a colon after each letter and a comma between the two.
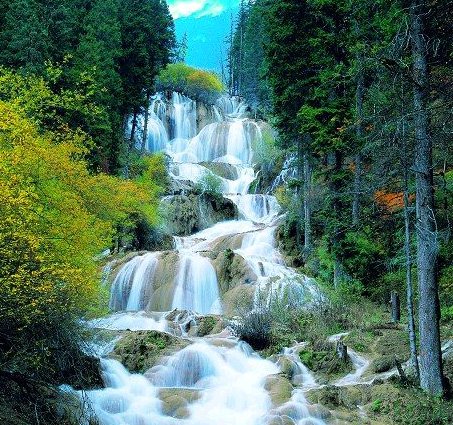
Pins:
x: 223, y: 380
x: 196, y: 287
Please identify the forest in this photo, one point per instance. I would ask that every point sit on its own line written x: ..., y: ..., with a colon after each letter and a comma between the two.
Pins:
x: 267, y: 245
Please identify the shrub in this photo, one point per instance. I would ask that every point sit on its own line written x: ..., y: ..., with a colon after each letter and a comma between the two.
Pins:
x: 210, y: 184
x: 194, y: 83
x: 254, y: 328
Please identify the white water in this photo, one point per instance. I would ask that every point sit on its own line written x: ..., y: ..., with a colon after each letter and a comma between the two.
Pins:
x: 197, y: 287
x: 225, y: 377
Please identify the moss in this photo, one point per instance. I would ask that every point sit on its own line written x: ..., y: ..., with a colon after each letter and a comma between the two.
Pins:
x: 139, y: 351
x: 322, y: 358
x: 360, y: 341
x: 279, y: 388
x: 401, y: 405
x: 206, y: 325
x: 383, y: 364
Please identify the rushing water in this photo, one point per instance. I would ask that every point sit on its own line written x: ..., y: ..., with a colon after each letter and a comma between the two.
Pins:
x: 216, y: 380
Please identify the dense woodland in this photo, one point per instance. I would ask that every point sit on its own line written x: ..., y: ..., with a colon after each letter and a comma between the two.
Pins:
x: 71, y: 72
x: 361, y: 95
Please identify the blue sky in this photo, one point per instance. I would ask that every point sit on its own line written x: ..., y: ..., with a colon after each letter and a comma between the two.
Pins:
x: 207, y: 24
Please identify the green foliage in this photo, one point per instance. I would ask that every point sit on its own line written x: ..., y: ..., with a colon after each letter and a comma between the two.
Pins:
x: 413, y: 407
x: 194, y: 83
x: 322, y: 358
x: 98, y: 59
x: 210, y: 184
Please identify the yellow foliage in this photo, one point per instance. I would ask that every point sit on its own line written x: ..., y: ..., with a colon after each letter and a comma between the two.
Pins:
x: 55, y: 219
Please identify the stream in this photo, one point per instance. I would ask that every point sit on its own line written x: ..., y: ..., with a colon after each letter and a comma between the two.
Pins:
x: 216, y: 380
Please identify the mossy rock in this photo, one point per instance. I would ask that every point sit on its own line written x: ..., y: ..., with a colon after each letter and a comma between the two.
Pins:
x: 322, y: 358
x: 448, y: 368
x: 238, y: 299
x: 139, y: 351
x: 383, y: 364
x: 222, y: 169
x: 232, y: 270
x: 279, y: 388
x: 334, y: 397
x: 175, y: 401
x: 328, y: 396
x: 207, y: 324
x: 393, y: 342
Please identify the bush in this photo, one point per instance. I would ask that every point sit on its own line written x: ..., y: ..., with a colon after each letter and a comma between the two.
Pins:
x: 192, y: 82
x: 210, y: 184
x: 254, y: 328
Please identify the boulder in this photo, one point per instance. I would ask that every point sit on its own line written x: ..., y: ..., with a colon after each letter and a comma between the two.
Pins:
x: 279, y: 388
x: 188, y: 214
x: 238, y: 299
x: 232, y: 270
x: 139, y: 351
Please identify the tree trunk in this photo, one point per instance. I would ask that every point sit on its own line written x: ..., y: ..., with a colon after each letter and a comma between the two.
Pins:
x: 396, y: 307
x: 429, y: 314
x: 133, y: 130
x: 307, y: 206
x: 145, y: 125
x: 342, y: 351
x: 360, y: 93
x: 409, y: 292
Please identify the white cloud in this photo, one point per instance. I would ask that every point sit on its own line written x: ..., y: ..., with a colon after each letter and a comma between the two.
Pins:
x: 199, y: 8
x: 212, y: 10
x: 184, y: 8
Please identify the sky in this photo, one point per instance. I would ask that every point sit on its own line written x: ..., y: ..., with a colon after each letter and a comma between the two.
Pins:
x: 207, y: 24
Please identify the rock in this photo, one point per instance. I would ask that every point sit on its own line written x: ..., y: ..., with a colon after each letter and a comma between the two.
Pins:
x: 238, y: 299
x: 180, y: 187
x: 139, y: 351
x: 279, y: 388
x: 222, y: 169
x: 205, y: 115
x: 232, y: 270
x: 188, y: 214
x: 280, y: 420
x: 383, y: 364
x: 175, y: 401
x: 327, y: 396
x: 208, y: 325
x: 287, y: 366
x: 159, y: 295
x: 319, y: 411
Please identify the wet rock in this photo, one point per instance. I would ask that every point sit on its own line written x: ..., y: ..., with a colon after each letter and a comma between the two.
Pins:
x: 175, y: 401
x: 280, y: 420
x: 238, y: 299
x: 188, y: 214
x: 205, y: 115
x: 158, y: 296
x: 208, y: 325
x: 139, y: 351
x: 279, y: 388
x: 222, y: 169
x: 319, y: 412
x: 232, y: 270
x: 333, y: 397
x: 327, y: 396
x: 172, y: 404
x: 287, y: 366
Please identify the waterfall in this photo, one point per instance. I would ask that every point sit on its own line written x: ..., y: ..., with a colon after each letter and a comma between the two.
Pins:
x: 127, y: 288
x: 196, y: 287
x: 184, y: 117
x: 215, y: 380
